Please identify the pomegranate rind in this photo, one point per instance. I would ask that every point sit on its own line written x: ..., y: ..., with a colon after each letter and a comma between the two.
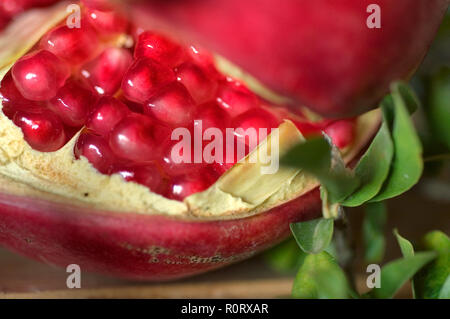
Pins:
x: 139, y: 246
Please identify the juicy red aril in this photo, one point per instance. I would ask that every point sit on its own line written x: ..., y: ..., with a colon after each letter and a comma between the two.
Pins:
x: 9, y: 93
x: 104, y: 73
x: 212, y: 116
x: 172, y: 105
x: 200, y: 84
x: 144, y: 78
x: 72, y: 104
x: 106, y: 114
x: 39, y: 75
x: 236, y: 99
x: 42, y: 130
x: 185, y: 185
x: 255, y: 119
x: 202, y: 58
x: 11, y: 99
x: 159, y: 48
x: 107, y: 22
x: 179, y: 160
x: 150, y: 175
x: 74, y: 45
x: 135, y: 138
x: 96, y: 149
x: 341, y: 132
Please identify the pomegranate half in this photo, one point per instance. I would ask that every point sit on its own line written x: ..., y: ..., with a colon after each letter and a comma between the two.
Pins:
x: 87, y: 174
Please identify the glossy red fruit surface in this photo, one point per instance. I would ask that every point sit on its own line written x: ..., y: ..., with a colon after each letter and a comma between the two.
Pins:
x: 236, y: 98
x: 135, y: 138
x: 106, y: 114
x: 74, y: 45
x: 144, y: 78
x: 104, y: 74
x: 184, y: 185
x: 172, y: 105
x: 97, y: 151
x: 150, y: 175
x: 39, y: 75
x: 259, y: 121
x: 72, y: 103
x: 159, y: 48
x: 42, y: 130
x: 200, y: 84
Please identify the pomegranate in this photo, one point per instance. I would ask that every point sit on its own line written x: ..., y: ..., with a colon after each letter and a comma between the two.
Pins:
x: 336, y: 57
x: 133, y: 149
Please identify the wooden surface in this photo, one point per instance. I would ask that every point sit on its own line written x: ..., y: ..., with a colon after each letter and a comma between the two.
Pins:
x: 413, y: 214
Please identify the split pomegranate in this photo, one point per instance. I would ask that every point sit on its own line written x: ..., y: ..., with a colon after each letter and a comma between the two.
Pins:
x: 103, y: 185
x: 131, y: 100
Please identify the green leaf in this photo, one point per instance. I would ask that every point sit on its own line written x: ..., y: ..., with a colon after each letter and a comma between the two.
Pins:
x: 313, y: 236
x: 406, y: 247
x: 445, y: 291
x: 396, y: 273
x: 412, y: 102
x: 373, y: 168
x: 439, y: 106
x: 407, y: 250
x: 317, y: 157
x: 285, y: 257
x: 433, y: 278
x: 407, y: 164
x: 320, y: 277
x: 373, y: 232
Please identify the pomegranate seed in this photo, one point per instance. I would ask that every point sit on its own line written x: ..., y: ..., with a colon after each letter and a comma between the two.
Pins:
x: 186, y: 185
x: 105, y: 72
x: 96, y: 150
x: 160, y: 49
x: 9, y: 94
x: 42, y: 130
x: 144, y: 78
x: 106, y: 114
x: 341, y: 132
x: 170, y: 161
x: 136, y: 138
x: 75, y: 45
x: 172, y: 105
x: 201, y: 87
x: 257, y: 119
x: 307, y: 128
x: 236, y: 99
x: 150, y: 175
x: 221, y: 168
x: 11, y: 99
x: 72, y: 104
x: 107, y: 22
x: 212, y: 116
x: 39, y: 75
x: 202, y: 58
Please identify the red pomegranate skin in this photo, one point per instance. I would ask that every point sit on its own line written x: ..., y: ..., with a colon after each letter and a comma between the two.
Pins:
x: 319, y: 52
x: 139, y: 246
